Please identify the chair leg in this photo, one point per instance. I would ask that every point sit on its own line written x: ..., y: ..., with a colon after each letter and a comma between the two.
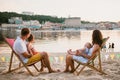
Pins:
x: 81, y: 70
x: 77, y: 66
x: 99, y: 61
x: 92, y: 67
x: 36, y: 68
x: 9, y: 70
x: 93, y: 62
x: 28, y: 70
x: 20, y: 64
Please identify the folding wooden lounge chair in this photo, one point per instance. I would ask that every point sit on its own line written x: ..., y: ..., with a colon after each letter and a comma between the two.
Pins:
x: 90, y: 62
x: 10, y: 42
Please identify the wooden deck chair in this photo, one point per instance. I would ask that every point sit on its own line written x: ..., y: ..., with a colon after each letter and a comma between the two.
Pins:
x: 10, y: 42
x: 90, y: 62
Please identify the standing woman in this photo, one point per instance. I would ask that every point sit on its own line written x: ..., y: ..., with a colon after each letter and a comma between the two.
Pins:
x: 82, y: 57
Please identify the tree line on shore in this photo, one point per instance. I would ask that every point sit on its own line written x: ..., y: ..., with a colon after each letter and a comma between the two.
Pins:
x: 4, y: 16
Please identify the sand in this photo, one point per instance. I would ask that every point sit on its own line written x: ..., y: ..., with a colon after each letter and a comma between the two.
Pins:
x: 110, y: 65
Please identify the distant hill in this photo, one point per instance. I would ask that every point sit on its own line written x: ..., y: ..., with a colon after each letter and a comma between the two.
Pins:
x: 4, y: 16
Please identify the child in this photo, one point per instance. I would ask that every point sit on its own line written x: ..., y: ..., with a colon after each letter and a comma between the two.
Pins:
x: 32, y: 50
x: 85, y: 50
x: 30, y: 46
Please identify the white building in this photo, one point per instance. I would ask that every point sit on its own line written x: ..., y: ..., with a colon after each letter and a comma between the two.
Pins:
x: 19, y: 23
x: 15, y: 20
x: 31, y: 22
x: 118, y: 24
x: 72, y: 22
x: 50, y: 25
x: 88, y: 25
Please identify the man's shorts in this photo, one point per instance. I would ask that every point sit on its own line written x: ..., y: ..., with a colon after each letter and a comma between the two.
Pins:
x: 35, y: 58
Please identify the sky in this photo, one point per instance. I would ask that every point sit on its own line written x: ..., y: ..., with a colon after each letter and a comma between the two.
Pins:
x: 88, y: 10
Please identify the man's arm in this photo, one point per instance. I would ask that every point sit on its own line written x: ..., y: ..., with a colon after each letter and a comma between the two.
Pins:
x: 26, y: 55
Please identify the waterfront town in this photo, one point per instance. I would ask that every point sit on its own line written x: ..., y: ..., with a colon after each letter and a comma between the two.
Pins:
x: 72, y: 23
x: 69, y: 23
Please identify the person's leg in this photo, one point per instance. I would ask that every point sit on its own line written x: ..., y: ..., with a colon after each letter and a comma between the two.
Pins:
x: 69, y: 62
x: 72, y: 65
x: 42, y: 65
x: 47, y: 62
x: 34, y: 58
x: 41, y: 56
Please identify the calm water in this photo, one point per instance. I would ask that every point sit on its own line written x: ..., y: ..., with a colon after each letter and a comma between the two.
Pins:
x: 62, y: 41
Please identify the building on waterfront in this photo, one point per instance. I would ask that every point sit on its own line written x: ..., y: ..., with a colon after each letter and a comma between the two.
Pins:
x: 88, y: 26
x: 15, y: 20
x: 72, y: 22
x: 118, y: 24
x: 51, y: 26
x: 33, y: 24
x: 107, y: 25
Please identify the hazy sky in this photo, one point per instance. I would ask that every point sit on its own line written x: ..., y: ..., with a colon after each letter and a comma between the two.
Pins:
x: 91, y: 10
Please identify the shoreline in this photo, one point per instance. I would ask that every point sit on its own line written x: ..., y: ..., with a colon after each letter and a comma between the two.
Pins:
x: 111, y: 66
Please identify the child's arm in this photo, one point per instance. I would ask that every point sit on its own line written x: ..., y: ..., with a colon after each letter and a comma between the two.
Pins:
x: 71, y: 52
x: 33, y: 50
x: 29, y: 49
x: 80, y: 51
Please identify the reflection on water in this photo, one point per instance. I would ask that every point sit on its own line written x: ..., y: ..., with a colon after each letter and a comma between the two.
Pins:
x: 54, y: 35
x: 62, y: 41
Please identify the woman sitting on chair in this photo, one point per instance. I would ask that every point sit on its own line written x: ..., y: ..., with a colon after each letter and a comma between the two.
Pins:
x: 82, y: 57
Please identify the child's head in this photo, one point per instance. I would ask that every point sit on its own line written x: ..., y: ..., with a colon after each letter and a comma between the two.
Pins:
x: 88, y: 45
x: 31, y: 38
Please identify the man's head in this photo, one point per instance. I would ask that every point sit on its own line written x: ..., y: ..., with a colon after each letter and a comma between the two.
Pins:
x: 25, y: 32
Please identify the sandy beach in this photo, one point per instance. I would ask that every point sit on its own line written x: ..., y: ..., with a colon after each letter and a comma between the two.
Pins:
x: 110, y: 64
